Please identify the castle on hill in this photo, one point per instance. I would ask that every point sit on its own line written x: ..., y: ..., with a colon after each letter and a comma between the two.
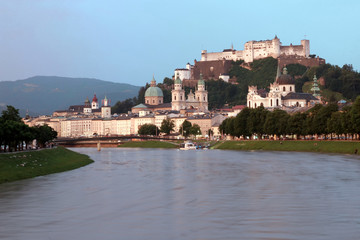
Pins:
x: 216, y: 65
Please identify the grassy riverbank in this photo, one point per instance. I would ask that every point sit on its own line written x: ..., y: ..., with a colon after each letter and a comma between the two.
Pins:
x: 16, y: 166
x: 299, y: 146
x: 149, y: 144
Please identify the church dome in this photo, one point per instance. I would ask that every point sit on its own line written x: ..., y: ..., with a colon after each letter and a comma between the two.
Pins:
x: 177, y: 80
x: 153, y: 90
x: 285, y: 78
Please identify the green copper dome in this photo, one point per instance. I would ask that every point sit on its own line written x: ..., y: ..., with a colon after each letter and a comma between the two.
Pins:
x: 153, y: 92
x: 177, y: 80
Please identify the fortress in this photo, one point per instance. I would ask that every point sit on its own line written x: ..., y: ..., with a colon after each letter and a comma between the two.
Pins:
x: 259, y: 49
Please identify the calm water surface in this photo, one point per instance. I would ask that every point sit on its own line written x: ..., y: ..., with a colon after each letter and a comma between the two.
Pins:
x: 171, y: 194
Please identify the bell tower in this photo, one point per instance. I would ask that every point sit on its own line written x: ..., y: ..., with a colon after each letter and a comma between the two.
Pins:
x: 178, y: 100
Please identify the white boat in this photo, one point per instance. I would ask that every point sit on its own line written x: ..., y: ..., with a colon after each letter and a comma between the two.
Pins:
x: 188, y: 145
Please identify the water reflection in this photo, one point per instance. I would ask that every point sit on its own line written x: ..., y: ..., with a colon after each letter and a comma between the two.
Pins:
x: 171, y: 194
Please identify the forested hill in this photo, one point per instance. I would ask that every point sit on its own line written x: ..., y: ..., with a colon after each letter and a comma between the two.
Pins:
x: 340, y: 83
x: 43, y: 95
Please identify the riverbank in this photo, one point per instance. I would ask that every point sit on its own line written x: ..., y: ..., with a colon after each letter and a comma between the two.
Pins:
x: 23, y: 165
x: 292, y: 145
x: 149, y: 144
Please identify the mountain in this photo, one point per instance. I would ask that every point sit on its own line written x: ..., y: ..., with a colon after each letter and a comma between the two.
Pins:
x: 45, y: 94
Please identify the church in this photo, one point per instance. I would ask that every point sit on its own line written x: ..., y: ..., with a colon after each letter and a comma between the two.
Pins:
x: 154, y: 98
x: 282, y: 94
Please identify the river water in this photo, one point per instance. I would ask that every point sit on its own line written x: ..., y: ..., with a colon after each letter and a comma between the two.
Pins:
x: 171, y: 194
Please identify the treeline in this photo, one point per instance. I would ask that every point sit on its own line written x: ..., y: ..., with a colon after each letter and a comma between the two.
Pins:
x: 14, y: 133
x: 167, y: 126
x: 326, y: 121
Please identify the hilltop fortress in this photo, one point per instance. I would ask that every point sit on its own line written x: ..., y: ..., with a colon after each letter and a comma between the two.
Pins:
x: 259, y: 49
x: 216, y: 65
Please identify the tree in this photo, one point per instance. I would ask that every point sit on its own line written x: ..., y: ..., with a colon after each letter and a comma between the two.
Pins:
x: 276, y: 122
x: 124, y: 106
x: 148, y: 129
x: 256, y: 121
x: 297, y: 124
x: 11, y: 114
x: 335, y: 123
x: 195, y: 130
x: 240, y: 123
x: 167, y: 126
x: 185, y: 128
x: 44, y: 134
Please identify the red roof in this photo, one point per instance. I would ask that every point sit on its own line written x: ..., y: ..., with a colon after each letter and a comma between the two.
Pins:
x: 95, y: 98
x: 239, y: 107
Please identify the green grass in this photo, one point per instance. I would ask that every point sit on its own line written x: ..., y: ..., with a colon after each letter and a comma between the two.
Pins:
x: 290, y: 145
x: 16, y: 166
x: 149, y: 144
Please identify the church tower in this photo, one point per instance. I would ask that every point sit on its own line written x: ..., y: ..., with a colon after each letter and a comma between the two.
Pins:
x: 201, y: 95
x: 106, y: 109
x: 87, y: 106
x: 178, y: 100
x: 94, y: 103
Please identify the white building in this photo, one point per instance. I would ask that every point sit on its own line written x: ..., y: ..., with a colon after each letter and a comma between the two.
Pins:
x: 259, y: 49
x: 282, y: 94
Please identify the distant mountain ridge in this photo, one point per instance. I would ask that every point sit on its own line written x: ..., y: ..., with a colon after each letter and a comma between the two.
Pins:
x: 45, y: 94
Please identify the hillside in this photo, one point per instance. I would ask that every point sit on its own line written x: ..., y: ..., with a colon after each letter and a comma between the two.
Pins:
x: 43, y: 94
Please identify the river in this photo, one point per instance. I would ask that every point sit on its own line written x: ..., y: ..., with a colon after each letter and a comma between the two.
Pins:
x: 171, y: 194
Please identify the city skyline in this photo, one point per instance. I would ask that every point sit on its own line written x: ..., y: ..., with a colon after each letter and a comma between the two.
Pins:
x: 128, y: 42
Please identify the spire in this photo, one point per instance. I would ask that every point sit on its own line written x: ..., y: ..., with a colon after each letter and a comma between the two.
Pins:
x: 277, y: 72
x: 232, y: 46
x: 153, y: 82
x: 315, y: 88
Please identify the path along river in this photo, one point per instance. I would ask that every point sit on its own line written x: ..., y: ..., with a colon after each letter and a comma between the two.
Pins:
x: 171, y: 194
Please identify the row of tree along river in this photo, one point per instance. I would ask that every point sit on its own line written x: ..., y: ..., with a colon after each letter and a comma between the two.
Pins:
x: 15, y: 135
x: 326, y: 121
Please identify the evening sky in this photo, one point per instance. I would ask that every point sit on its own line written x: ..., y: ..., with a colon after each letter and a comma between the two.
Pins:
x: 129, y: 41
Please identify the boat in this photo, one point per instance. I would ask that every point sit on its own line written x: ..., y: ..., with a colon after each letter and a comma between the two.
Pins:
x: 188, y: 145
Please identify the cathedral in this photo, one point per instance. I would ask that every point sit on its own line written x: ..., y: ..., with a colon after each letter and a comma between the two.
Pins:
x: 154, y: 98
x: 282, y: 94
x: 197, y: 100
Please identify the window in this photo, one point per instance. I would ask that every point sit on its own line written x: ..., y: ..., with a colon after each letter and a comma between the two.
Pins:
x: 204, y: 98
x: 255, y: 105
x: 290, y: 89
x: 270, y: 102
x: 284, y: 89
x: 249, y: 104
x: 175, y: 97
x: 181, y: 97
x: 277, y: 102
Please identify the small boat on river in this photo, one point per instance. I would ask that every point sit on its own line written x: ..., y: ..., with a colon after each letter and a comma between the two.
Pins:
x: 188, y: 145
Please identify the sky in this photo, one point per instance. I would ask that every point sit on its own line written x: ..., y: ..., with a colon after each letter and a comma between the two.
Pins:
x: 129, y: 41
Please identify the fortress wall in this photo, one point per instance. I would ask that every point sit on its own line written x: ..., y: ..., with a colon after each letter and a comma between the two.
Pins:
x: 227, y: 55
x: 308, y: 62
x: 210, y: 69
x: 293, y: 50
